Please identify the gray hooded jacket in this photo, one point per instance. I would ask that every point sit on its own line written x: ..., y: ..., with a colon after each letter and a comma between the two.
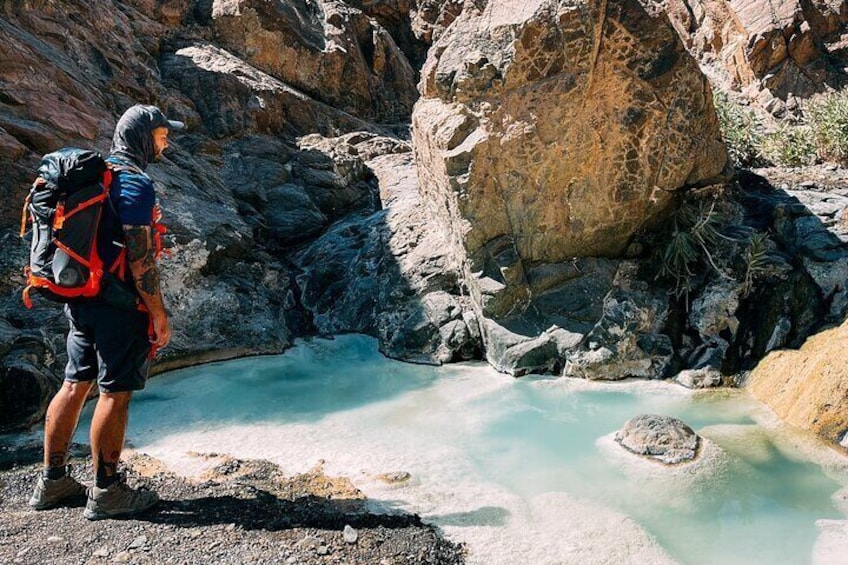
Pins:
x: 133, y: 140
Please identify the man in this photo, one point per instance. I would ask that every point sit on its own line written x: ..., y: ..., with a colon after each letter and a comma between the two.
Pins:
x: 107, y: 343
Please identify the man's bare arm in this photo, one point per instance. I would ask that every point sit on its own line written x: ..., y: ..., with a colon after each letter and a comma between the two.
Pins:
x: 140, y: 256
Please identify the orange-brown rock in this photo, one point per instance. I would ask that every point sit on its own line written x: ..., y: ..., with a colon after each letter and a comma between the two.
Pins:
x: 553, y: 130
x: 781, y: 47
x: 327, y: 49
x: 808, y: 388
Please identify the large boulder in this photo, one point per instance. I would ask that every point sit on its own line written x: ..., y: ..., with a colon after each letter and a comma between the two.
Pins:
x: 549, y: 131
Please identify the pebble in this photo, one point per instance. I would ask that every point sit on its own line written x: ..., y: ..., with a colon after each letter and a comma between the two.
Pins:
x: 807, y: 183
x: 309, y: 542
x: 394, y: 477
x: 350, y: 534
x: 55, y: 539
x: 322, y: 550
x: 102, y: 552
x: 122, y: 557
x: 831, y: 168
x: 138, y: 542
x: 23, y: 552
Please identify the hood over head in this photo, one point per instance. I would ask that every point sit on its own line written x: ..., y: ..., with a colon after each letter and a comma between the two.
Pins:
x: 133, y: 139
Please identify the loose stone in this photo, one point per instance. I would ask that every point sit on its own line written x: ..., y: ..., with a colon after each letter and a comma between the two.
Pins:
x: 350, y: 534
x: 138, y: 542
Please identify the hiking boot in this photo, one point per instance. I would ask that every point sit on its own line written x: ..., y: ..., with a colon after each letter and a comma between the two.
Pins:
x: 118, y: 500
x: 49, y: 493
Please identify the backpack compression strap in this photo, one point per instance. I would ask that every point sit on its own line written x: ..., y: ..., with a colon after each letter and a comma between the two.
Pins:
x: 26, y: 216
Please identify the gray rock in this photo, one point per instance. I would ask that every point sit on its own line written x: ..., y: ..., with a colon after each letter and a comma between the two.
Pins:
x: 661, y: 438
x: 627, y: 341
x: 705, y: 377
x: 386, y: 275
x: 518, y: 354
x: 779, y: 335
x: 832, y: 278
x: 291, y: 215
x: 713, y: 312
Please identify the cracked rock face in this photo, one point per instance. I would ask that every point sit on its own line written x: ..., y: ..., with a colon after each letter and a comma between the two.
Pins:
x: 662, y: 438
x: 552, y: 130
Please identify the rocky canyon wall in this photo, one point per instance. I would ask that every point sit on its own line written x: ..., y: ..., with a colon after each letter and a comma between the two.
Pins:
x: 559, y: 151
x: 775, y: 52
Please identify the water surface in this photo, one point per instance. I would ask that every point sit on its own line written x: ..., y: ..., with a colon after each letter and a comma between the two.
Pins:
x: 524, y: 470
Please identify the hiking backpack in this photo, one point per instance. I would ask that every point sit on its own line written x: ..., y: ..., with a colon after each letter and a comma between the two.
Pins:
x: 65, y: 206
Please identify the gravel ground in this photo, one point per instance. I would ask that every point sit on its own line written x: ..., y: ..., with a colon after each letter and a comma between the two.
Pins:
x: 238, y: 512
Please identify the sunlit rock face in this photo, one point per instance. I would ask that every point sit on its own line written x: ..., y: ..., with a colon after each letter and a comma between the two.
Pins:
x: 329, y: 50
x: 776, y: 48
x: 551, y: 130
x: 808, y: 387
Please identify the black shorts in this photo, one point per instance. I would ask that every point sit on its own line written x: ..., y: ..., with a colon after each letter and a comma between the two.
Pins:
x: 109, y: 344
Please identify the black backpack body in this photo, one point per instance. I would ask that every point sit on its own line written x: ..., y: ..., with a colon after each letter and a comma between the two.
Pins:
x: 65, y: 206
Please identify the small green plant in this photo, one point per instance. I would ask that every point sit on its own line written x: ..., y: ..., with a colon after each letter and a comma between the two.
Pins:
x: 788, y: 146
x: 828, y: 118
x: 760, y: 262
x: 697, y: 229
x: 741, y: 128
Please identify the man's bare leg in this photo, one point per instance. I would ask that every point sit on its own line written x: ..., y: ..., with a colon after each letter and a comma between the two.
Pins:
x: 108, y: 427
x: 61, y: 422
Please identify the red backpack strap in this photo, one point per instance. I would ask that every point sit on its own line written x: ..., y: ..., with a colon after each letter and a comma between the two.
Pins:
x: 158, y: 229
x: 25, y: 216
x: 119, y: 267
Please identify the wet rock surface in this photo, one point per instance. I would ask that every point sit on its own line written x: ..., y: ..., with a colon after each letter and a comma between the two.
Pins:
x: 663, y: 438
x: 239, y: 511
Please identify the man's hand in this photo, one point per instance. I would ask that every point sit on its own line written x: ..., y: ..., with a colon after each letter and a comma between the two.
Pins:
x: 162, y: 328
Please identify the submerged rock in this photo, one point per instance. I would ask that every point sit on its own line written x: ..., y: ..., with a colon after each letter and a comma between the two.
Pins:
x: 663, y: 438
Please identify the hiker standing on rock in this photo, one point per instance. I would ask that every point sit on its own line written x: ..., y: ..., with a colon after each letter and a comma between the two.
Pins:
x: 107, y: 343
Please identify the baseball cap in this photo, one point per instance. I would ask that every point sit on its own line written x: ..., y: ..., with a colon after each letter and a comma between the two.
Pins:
x: 160, y: 121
